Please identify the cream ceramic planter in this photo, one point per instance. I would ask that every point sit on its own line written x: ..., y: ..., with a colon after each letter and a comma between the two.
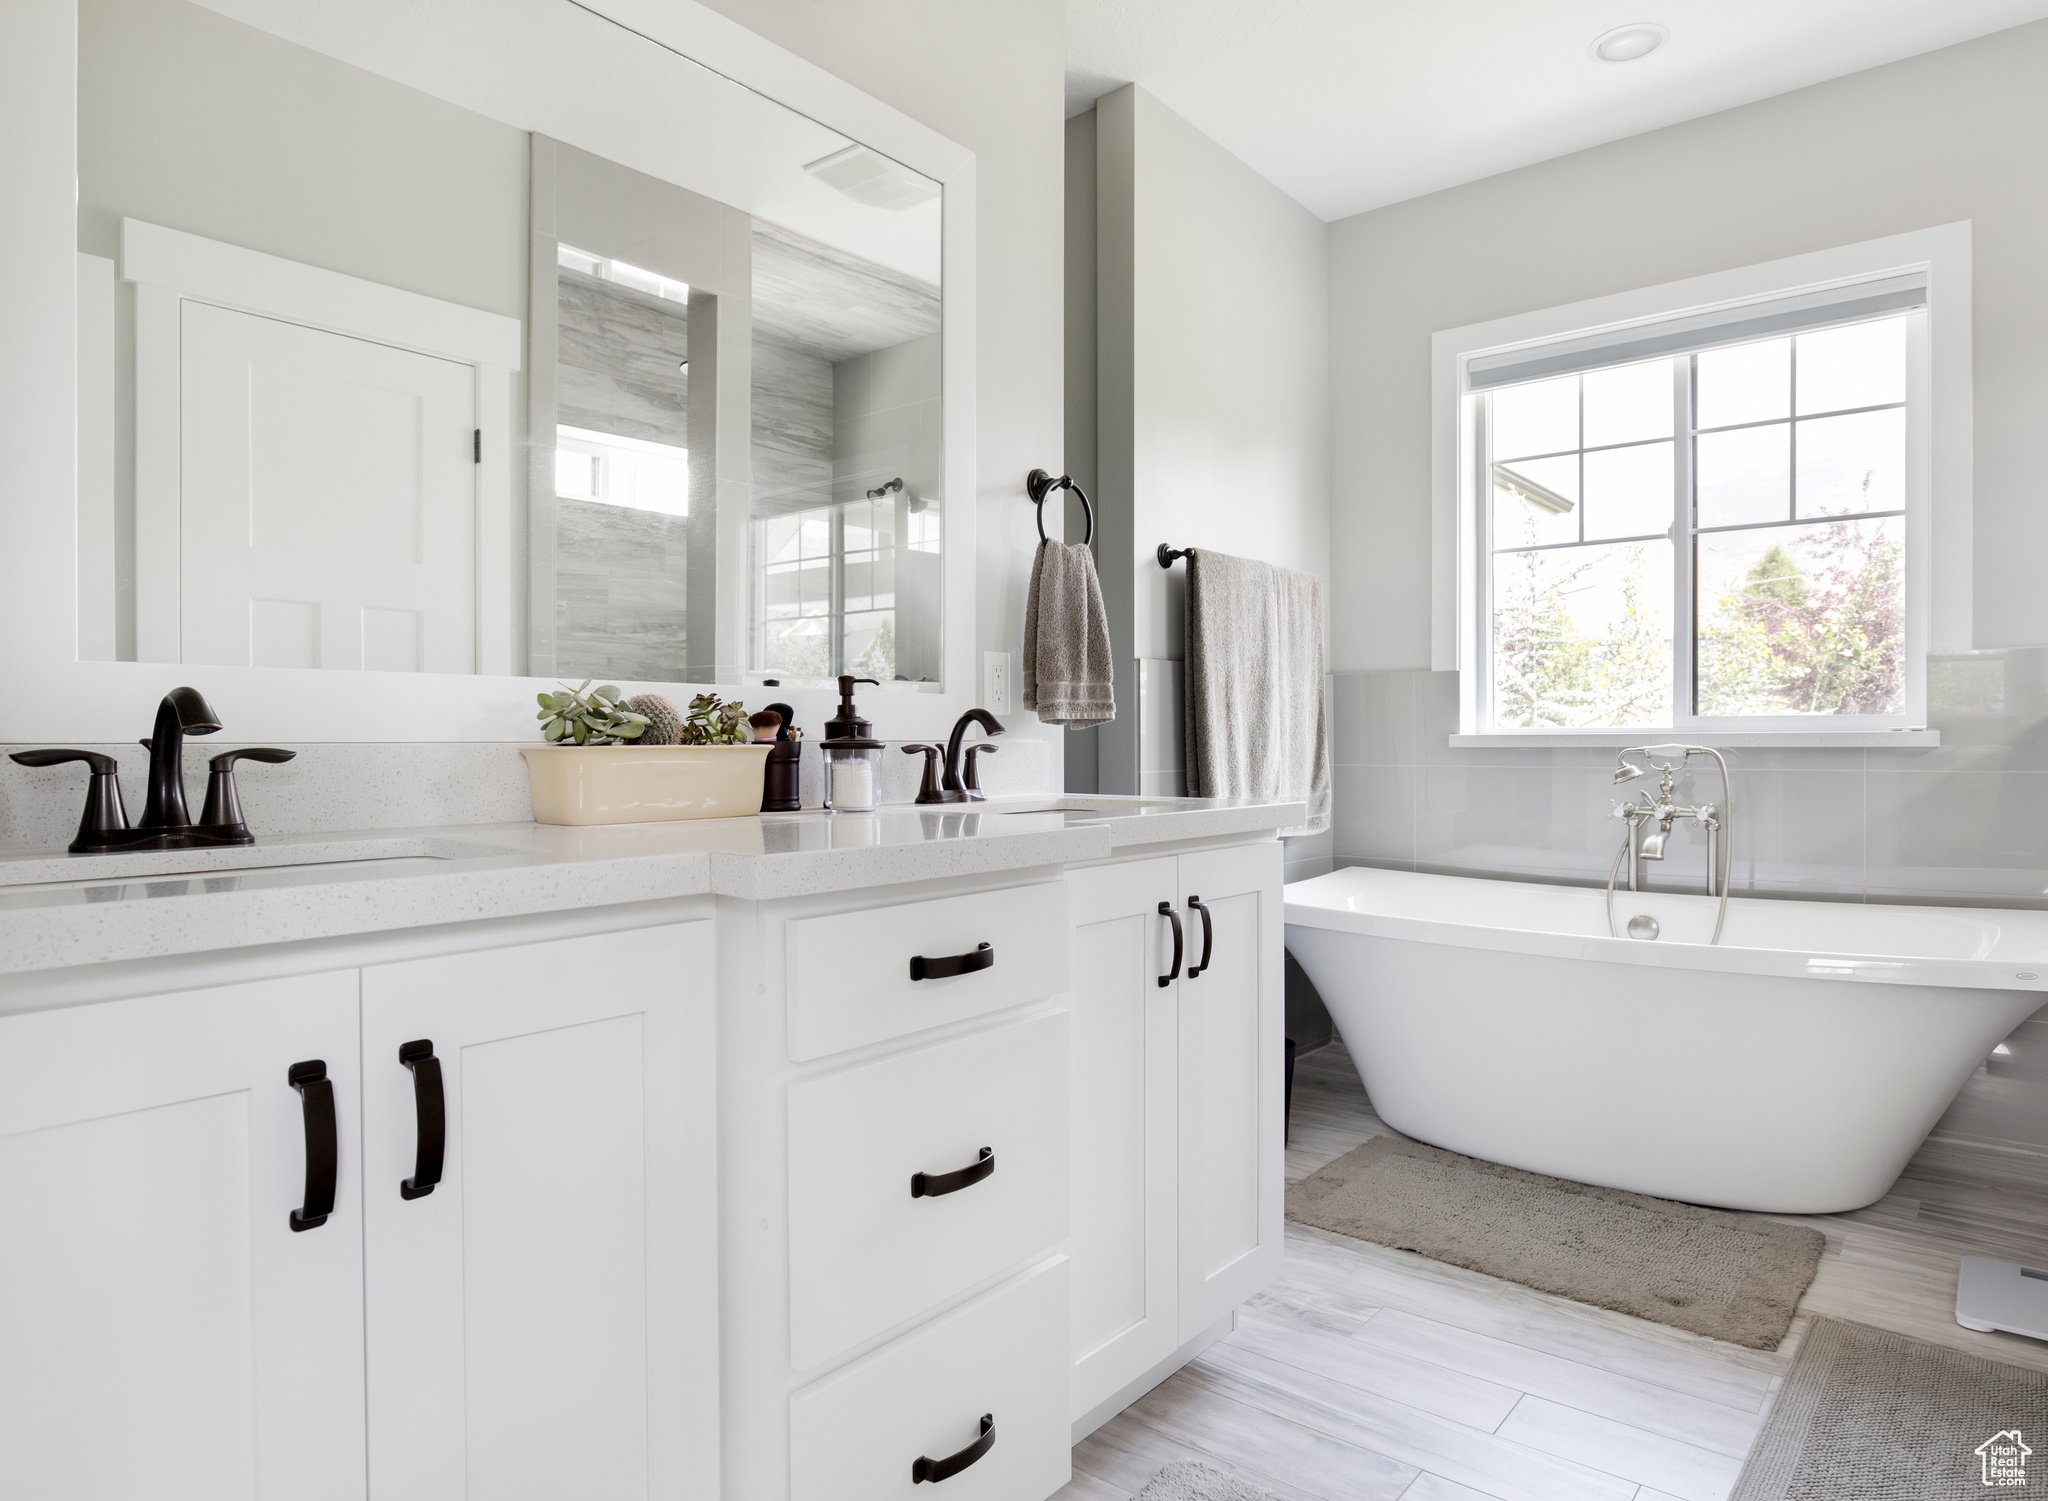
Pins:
x: 587, y: 784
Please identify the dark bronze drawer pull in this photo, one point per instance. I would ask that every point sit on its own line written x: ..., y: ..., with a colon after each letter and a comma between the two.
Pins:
x: 935, y: 1470
x: 1208, y: 936
x: 1179, y: 942
x: 933, y: 1185
x: 430, y: 1107
x: 983, y: 957
x: 316, y: 1092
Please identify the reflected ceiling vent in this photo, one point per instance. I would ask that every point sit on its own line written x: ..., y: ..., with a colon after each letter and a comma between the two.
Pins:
x: 869, y: 177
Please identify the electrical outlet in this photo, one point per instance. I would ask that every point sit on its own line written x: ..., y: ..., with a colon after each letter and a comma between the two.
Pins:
x: 995, y: 682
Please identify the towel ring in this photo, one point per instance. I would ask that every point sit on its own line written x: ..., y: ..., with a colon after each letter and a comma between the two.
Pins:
x: 1041, y: 487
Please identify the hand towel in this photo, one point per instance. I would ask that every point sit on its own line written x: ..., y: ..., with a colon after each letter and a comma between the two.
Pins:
x: 1066, y: 639
x: 1254, y: 685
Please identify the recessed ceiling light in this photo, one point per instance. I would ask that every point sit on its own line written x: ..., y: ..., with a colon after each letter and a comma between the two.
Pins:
x: 1625, y: 44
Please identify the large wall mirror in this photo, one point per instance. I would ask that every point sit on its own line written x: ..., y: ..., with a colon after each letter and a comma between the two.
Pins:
x: 490, y: 337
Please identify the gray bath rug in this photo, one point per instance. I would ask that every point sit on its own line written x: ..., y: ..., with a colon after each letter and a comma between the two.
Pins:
x: 1867, y: 1415
x: 1731, y: 1276
x: 1189, y: 1481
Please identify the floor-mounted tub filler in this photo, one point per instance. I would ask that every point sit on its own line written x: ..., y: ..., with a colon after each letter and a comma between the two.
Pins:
x: 1794, y: 1066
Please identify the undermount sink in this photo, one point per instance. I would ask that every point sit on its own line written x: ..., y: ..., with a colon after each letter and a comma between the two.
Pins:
x: 327, y: 856
x: 1093, y: 807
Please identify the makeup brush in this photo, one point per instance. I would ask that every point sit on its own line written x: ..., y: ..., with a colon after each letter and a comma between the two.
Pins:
x: 764, y: 725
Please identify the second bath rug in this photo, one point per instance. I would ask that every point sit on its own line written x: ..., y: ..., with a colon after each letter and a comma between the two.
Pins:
x: 1736, y: 1277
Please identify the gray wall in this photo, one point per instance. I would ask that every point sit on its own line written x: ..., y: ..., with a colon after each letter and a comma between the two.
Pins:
x: 1957, y: 134
x: 194, y: 121
x: 1204, y: 348
x: 1084, y: 772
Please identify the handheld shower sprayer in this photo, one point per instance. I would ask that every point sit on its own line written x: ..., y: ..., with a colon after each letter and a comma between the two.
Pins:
x: 1655, y: 816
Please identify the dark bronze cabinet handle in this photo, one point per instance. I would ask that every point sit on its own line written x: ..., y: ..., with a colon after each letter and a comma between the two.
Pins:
x: 1179, y: 943
x: 431, y: 1108
x: 1208, y: 936
x: 935, y: 1470
x: 983, y: 957
x: 316, y: 1092
x: 933, y: 1185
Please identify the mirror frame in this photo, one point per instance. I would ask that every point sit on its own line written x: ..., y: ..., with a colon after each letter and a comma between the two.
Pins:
x: 51, y: 695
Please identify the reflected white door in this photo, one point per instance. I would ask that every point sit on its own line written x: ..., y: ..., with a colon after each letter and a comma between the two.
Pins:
x: 327, y: 499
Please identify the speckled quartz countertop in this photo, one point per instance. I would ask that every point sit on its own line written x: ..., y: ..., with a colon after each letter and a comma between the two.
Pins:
x: 59, y: 910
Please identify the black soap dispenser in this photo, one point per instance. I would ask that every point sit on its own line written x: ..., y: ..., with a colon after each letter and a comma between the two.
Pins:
x: 847, y: 723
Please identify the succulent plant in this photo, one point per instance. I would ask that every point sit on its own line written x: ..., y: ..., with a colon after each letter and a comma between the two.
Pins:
x: 589, y: 716
x: 714, y: 722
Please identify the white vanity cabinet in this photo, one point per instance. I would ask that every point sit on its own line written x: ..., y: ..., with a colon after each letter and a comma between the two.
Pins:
x: 541, y: 1323
x: 894, y: 1191
x: 164, y: 1332
x: 1177, y: 1108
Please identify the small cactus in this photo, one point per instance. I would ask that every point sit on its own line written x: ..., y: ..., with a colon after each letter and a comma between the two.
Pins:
x: 664, y: 723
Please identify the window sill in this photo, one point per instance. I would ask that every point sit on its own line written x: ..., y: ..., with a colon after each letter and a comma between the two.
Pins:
x: 1719, y: 739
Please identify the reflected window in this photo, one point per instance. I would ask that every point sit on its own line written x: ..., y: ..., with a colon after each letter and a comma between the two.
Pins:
x: 618, y: 471
x: 826, y: 592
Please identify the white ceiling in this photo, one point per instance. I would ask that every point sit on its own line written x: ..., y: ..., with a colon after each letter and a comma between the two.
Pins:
x: 1352, y: 104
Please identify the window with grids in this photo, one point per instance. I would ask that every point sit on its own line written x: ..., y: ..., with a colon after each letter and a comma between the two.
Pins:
x: 1714, y: 537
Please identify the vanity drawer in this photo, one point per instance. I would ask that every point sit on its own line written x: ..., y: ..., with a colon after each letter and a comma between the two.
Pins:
x: 855, y: 1435
x: 850, y: 975
x: 864, y: 1253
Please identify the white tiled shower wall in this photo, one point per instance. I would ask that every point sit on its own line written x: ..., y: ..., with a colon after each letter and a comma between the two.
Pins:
x: 1963, y: 823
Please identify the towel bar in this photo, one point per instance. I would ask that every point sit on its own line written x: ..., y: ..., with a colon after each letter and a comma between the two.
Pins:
x: 1167, y: 554
x: 1041, y: 486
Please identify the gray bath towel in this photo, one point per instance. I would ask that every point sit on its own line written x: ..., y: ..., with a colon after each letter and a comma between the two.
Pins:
x: 1255, y: 685
x: 1066, y: 639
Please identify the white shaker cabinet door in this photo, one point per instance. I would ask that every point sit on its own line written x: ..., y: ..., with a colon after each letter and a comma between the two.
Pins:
x: 1124, y: 1057
x: 542, y: 1322
x: 165, y: 1332
x: 1231, y: 1016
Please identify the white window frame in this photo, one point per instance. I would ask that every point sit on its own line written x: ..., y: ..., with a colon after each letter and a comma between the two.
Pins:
x: 1938, y: 508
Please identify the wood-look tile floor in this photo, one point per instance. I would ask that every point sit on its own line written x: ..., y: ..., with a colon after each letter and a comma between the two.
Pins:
x: 1366, y: 1373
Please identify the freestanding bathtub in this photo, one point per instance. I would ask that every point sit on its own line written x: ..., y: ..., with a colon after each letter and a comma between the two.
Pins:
x: 1794, y: 1067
